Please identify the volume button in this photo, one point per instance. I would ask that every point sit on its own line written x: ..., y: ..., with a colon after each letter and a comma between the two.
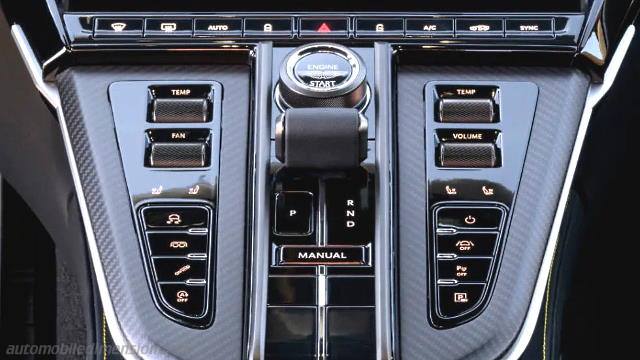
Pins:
x: 468, y: 155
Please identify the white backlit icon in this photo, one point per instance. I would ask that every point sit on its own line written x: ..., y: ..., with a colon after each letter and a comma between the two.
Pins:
x: 267, y: 27
x: 178, y: 245
x: 174, y: 219
x: 487, y: 191
x: 118, y: 26
x: 156, y: 190
x: 460, y: 298
x: 480, y: 28
x: 182, y: 270
x: 380, y: 27
x: 451, y: 190
x: 194, y: 190
x: 470, y: 220
x: 168, y: 27
x: 465, y: 245
x: 182, y: 296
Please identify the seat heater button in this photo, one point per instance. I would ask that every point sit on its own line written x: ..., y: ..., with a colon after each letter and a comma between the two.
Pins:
x: 472, y: 218
x: 472, y: 270
x: 294, y: 213
x: 458, y: 299
x: 175, y: 217
x: 185, y: 299
x: 179, y: 269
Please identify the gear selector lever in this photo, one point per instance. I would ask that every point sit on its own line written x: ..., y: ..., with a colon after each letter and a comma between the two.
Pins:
x: 321, y: 138
x: 322, y: 90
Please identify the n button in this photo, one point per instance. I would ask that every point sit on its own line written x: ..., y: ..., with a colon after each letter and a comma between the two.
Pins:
x: 293, y: 213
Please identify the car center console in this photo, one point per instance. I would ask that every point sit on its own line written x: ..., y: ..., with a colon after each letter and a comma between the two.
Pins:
x: 345, y: 180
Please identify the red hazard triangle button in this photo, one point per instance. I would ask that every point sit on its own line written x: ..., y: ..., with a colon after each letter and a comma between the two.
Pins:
x: 323, y: 28
x: 327, y: 27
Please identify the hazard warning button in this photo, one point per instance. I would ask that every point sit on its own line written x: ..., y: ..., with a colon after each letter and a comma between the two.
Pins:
x: 324, y: 27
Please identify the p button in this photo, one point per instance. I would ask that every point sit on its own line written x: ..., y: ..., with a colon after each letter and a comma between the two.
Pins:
x: 293, y: 213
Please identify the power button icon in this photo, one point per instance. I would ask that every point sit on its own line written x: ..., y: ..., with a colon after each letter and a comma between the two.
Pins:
x: 470, y: 220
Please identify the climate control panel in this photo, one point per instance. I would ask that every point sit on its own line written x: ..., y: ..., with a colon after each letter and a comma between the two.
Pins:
x: 169, y: 139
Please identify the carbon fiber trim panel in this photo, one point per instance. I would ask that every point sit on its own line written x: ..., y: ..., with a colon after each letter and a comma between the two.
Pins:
x: 88, y: 113
x: 561, y: 101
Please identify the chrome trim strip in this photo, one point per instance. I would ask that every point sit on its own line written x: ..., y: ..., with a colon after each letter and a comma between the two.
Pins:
x: 385, y: 261
x: 50, y: 93
x: 596, y: 93
x: 259, y: 232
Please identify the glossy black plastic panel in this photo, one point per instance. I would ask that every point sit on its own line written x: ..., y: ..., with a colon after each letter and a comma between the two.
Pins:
x: 472, y: 201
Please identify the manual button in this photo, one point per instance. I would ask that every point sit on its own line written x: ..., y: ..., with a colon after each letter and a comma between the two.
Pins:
x: 218, y: 27
x: 326, y: 255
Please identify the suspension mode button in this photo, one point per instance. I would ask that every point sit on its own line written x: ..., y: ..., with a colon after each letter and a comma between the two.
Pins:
x: 175, y: 217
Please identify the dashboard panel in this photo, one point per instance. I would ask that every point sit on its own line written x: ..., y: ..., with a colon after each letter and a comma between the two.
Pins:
x: 335, y: 180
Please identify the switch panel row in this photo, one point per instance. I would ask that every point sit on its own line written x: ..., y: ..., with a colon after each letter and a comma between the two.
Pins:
x: 169, y: 139
x: 476, y: 140
x: 466, y: 240
x: 178, y: 244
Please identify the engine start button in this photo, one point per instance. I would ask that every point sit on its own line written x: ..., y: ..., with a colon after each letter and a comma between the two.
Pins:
x: 322, y: 75
x: 322, y: 70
